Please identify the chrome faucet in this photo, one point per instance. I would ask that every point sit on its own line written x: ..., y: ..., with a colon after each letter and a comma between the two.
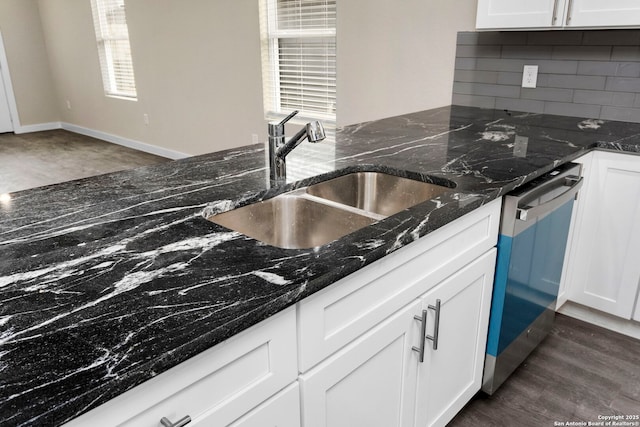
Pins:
x: 278, y: 149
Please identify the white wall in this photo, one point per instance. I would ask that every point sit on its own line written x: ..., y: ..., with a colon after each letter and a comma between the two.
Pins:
x: 197, y: 66
x: 397, y: 57
x: 28, y: 63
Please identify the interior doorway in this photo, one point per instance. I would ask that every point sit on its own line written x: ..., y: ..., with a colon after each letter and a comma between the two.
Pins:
x: 6, y: 125
x: 6, y: 122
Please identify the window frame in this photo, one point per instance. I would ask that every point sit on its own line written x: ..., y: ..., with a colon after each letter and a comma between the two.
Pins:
x: 271, y: 35
x: 111, y: 84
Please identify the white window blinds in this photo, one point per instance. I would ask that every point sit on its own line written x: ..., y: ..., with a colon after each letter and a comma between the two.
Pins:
x: 299, y: 57
x: 114, y: 50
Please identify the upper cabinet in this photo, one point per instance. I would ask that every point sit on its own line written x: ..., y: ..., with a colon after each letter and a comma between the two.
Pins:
x: 557, y: 14
x: 598, y: 13
x: 505, y: 14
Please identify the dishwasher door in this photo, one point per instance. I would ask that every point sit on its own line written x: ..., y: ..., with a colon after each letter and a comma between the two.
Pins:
x: 531, y: 247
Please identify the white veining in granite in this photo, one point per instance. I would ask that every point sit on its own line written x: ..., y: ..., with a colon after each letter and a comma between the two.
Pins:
x: 109, y: 281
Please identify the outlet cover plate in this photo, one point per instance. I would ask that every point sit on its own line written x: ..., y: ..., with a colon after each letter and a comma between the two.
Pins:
x: 530, y: 76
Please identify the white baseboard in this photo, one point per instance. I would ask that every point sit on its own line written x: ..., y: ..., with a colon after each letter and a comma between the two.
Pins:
x: 604, y: 320
x: 37, y: 127
x: 136, y: 145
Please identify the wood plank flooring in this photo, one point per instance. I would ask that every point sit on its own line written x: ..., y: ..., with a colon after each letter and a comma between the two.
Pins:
x: 578, y: 372
x: 42, y: 158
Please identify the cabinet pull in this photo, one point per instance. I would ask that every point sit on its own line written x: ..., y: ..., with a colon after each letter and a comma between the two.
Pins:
x: 423, y: 331
x: 180, y: 423
x: 554, y: 17
x: 569, y: 11
x: 436, y: 326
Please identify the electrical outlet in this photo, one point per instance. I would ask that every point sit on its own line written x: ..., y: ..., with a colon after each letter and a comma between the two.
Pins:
x: 145, y: 119
x: 530, y: 76
x: 68, y: 104
x: 254, y: 138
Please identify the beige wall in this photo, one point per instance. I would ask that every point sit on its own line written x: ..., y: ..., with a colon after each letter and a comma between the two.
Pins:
x: 197, y: 66
x: 396, y: 57
x: 28, y: 63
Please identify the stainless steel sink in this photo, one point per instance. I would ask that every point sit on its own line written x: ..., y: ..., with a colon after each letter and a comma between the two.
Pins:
x: 324, y: 212
x: 376, y: 192
x: 292, y: 221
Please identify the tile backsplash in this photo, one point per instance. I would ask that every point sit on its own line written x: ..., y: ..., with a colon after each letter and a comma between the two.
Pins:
x: 592, y: 74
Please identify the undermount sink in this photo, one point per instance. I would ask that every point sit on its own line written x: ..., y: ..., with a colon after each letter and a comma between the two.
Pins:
x: 292, y: 222
x: 324, y: 212
x: 376, y: 192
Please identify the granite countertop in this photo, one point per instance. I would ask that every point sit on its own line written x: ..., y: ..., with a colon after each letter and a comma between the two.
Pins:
x: 108, y: 281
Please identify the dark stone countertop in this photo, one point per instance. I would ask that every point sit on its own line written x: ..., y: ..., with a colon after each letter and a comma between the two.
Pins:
x: 108, y: 281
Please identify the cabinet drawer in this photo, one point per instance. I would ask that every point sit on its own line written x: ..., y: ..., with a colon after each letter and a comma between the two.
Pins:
x: 282, y: 410
x: 215, y: 387
x: 335, y: 316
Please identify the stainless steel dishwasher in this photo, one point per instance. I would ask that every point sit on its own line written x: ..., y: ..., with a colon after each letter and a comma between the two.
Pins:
x: 531, y: 247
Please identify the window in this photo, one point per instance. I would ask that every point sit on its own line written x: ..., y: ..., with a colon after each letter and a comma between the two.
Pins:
x: 114, y: 50
x: 299, y: 58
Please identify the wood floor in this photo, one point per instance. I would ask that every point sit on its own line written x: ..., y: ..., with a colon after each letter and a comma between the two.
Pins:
x: 49, y: 157
x: 579, y: 371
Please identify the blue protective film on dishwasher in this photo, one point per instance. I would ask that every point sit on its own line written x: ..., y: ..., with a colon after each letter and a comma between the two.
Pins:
x: 528, y: 272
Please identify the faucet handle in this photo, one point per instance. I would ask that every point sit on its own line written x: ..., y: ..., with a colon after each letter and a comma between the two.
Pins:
x: 277, y: 129
x: 286, y: 119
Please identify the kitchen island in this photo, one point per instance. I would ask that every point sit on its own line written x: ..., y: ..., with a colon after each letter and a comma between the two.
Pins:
x: 109, y: 281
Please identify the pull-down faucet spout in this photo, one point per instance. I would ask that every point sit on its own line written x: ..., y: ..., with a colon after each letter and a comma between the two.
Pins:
x: 278, y: 149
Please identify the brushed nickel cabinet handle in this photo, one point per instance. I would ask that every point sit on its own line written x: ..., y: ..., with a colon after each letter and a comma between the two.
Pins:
x: 554, y: 17
x: 180, y: 423
x: 569, y: 11
x: 436, y: 326
x: 423, y: 332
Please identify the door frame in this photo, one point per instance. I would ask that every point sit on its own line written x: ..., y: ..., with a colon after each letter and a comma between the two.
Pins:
x: 8, y: 86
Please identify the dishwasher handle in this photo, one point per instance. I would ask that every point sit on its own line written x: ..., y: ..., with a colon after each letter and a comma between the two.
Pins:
x: 528, y: 212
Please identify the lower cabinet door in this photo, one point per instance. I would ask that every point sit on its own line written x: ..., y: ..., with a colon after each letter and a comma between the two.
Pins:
x: 371, y: 382
x: 604, y: 272
x: 452, y: 370
x: 282, y: 410
x: 575, y: 230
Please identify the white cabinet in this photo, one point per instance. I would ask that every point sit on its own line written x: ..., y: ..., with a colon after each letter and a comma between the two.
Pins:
x: 378, y: 380
x: 282, y: 410
x: 598, y: 13
x: 519, y: 13
x: 361, y: 364
x: 214, y: 388
x: 603, y: 270
x: 369, y: 383
x: 557, y: 14
x: 451, y: 374
x: 577, y: 216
